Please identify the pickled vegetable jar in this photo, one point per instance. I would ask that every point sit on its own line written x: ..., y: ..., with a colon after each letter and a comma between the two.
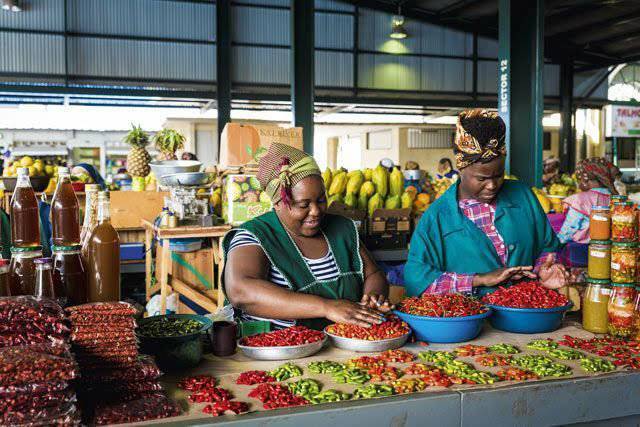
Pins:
x: 623, y: 262
x: 636, y: 316
x: 600, y: 223
x: 617, y: 198
x: 623, y: 222
x: 599, y: 259
x: 621, y: 310
x: 595, y: 316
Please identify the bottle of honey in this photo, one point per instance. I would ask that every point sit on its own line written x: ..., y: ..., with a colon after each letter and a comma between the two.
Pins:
x: 65, y: 212
x: 25, y: 221
x: 103, y: 257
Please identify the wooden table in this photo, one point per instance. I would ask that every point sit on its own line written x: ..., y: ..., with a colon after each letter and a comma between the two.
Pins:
x: 215, y: 234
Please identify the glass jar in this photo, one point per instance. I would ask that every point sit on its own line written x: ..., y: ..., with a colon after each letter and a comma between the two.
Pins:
x: 70, y: 274
x: 624, y: 227
x: 595, y: 316
x: 600, y: 223
x: 621, y: 310
x: 636, y: 316
x: 44, y: 280
x: 623, y: 262
x: 599, y: 263
x: 617, y: 198
x: 4, y: 278
x: 22, y: 270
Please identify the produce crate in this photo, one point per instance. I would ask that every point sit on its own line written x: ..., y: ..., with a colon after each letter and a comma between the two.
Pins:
x: 389, y: 229
x: 357, y: 215
x: 243, y: 199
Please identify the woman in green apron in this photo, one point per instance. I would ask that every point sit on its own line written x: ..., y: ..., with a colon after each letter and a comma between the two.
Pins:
x: 296, y: 263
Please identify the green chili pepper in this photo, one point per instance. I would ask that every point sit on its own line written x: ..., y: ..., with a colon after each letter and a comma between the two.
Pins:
x: 326, y: 367
x: 169, y: 327
x: 372, y: 390
x: 286, y: 371
x: 329, y: 396
x: 542, y: 344
x: 434, y: 356
x: 595, y: 364
x: 503, y: 348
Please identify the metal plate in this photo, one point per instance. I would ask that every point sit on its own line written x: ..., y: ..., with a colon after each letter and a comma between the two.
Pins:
x: 190, y: 179
x: 168, y: 167
x: 282, y: 353
x: 366, y: 346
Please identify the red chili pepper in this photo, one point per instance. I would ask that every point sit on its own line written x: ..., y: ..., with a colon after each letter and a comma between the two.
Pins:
x: 449, y: 305
x: 397, y: 356
x: 392, y: 328
x: 275, y: 396
x: 295, y: 335
x: 529, y: 294
x: 198, y: 383
x: 218, y: 408
x: 254, y: 377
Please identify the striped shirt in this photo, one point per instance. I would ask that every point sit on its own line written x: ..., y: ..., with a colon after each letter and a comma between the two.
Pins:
x: 324, y: 268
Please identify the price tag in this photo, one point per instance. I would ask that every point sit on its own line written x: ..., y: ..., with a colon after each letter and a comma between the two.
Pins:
x: 598, y: 254
x: 597, y: 217
x: 615, y: 266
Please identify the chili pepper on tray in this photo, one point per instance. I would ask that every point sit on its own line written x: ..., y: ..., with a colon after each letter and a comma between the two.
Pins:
x: 294, y: 335
x: 391, y: 328
x: 449, y: 305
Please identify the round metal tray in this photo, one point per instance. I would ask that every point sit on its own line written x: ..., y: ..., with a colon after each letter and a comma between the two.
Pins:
x: 282, y: 353
x: 187, y: 179
x: 366, y: 346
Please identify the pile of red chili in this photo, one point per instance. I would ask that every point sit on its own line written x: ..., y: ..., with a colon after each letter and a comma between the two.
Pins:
x: 391, y: 328
x: 450, y: 305
x: 275, y: 396
x: 529, y: 294
x: 295, y: 335
x: 625, y: 353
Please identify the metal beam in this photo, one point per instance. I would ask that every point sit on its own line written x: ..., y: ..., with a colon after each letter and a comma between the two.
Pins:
x: 303, y: 68
x: 567, y: 140
x: 223, y: 63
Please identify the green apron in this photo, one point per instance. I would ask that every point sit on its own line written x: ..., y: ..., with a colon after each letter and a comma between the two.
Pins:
x: 282, y: 252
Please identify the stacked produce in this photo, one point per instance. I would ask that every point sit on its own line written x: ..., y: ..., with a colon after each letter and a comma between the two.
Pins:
x: 117, y: 384
x: 528, y: 294
x: 37, y: 167
x: 243, y: 199
x: 35, y: 364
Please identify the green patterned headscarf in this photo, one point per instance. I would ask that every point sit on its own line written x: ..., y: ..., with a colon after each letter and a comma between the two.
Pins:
x: 282, y: 168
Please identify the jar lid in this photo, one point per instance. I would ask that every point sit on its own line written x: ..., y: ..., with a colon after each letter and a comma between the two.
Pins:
x: 600, y: 208
x: 619, y: 196
x: 626, y: 244
x: 15, y: 250
x: 65, y: 248
x: 623, y: 285
x: 598, y: 281
x: 623, y: 203
x: 600, y: 242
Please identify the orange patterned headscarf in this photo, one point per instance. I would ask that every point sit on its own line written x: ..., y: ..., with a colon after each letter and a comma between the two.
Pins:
x: 470, y: 149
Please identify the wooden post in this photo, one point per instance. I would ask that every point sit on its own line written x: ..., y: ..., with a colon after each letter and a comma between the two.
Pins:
x: 148, y: 236
x: 164, y: 275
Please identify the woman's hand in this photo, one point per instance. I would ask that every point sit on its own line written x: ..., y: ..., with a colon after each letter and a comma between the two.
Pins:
x: 377, y: 302
x: 343, y: 311
x: 502, y: 275
x: 553, y: 275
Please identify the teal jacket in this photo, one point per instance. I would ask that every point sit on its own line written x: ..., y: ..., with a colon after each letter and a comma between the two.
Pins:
x: 447, y: 241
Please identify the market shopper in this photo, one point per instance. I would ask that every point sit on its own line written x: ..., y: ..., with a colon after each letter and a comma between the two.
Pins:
x: 446, y: 170
x: 296, y: 263
x: 596, y: 180
x: 484, y: 231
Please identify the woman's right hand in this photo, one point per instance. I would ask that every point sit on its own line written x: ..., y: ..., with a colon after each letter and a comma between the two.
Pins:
x: 343, y: 311
x: 501, y: 275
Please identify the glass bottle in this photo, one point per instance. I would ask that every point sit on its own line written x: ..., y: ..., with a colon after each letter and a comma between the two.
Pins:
x: 25, y: 221
x: 4, y: 278
x: 103, y: 257
x: 44, y: 279
x: 22, y: 270
x: 90, y: 212
x: 65, y: 212
x: 69, y: 274
x: 594, y: 306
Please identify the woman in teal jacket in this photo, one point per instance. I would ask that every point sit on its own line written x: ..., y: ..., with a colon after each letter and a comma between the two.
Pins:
x: 484, y: 231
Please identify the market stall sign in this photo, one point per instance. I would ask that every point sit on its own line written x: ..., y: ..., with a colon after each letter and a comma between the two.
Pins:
x: 625, y: 121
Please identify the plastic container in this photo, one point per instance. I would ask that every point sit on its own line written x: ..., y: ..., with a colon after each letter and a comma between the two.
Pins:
x: 243, y: 199
x: 600, y: 223
x: 528, y: 320
x: 444, y: 329
x: 175, y: 353
x: 595, y: 316
x: 623, y: 262
x: 624, y: 226
x: 621, y: 310
x: 185, y: 245
x: 599, y: 259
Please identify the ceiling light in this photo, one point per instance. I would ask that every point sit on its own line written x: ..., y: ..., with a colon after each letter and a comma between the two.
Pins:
x: 398, y: 31
x: 11, y: 5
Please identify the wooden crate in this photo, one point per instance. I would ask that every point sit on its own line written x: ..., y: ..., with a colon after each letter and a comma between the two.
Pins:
x: 129, y: 208
x: 202, y: 261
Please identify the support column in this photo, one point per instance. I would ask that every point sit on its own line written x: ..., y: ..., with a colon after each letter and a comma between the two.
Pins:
x: 520, y: 88
x: 303, y: 68
x: 223, y: 63
x: 567, y: 139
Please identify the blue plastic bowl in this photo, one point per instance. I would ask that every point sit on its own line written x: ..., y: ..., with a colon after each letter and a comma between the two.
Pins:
x: 444, y: 329
x: 527, y: 320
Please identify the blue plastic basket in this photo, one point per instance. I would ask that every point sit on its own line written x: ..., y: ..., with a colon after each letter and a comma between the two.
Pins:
x: 445, y: 329
x: 528, y: 320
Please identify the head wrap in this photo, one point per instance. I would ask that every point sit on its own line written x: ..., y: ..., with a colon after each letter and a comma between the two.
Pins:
x: 598, y: 169
x: 281, y: 168
x: 470, y: 148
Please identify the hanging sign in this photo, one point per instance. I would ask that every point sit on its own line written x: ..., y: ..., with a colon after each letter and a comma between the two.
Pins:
x: 625, y: 121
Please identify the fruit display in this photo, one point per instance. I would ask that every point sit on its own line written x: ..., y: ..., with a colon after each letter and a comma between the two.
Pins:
x: 138, y: 158
x: 543, y: 199
x: 37, y: 167
x: 441, y: 185
x: 168, y: 141
x: 566, y: 186
x: 242, y: 199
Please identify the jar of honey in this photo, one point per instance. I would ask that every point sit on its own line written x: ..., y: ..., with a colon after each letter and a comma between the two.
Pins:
x: 623, y: 262
x: 599, y: 264
x: 624, y: 226
x: 600, y: 223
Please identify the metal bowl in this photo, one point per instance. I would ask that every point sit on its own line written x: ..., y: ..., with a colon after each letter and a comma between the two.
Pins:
x: 39, y: 183
x: 189, y: 179
x: 282, y: 353
x: 366, y: 346
x: 169, y: 167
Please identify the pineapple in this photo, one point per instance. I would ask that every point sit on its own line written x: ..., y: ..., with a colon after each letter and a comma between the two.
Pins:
x: 138, y: 158
x: 168, y: 141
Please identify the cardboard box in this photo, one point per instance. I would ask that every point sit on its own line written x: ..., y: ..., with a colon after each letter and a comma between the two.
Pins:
x: 129, y: 208
x: 389, y: 229
x: 357, y: 215
x: 242, y: 144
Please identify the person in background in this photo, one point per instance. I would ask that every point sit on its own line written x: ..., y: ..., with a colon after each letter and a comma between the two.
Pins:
x: 551, y: 171
x: 596, y: 180
x: 188, y: 156
x: 446, y: 170
x: 89, y: 171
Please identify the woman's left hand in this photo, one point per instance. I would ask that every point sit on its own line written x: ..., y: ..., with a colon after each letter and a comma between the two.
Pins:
x: 377, y: 302
x: 553, y: 275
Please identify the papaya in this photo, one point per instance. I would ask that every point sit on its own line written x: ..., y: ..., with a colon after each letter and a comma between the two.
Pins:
x: 338, y: 184
x: 380, y: 179
x: 355, y: 182
x: 375, y: 202
x: 350, y: 200
x: 368, y: 174
x: 392, y: 202
x: 367, y: 189
x: 406, y: 200
x: 326, y: 177
x: 396, y: 182
x: 362, y: 201
x: 334, y: 198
